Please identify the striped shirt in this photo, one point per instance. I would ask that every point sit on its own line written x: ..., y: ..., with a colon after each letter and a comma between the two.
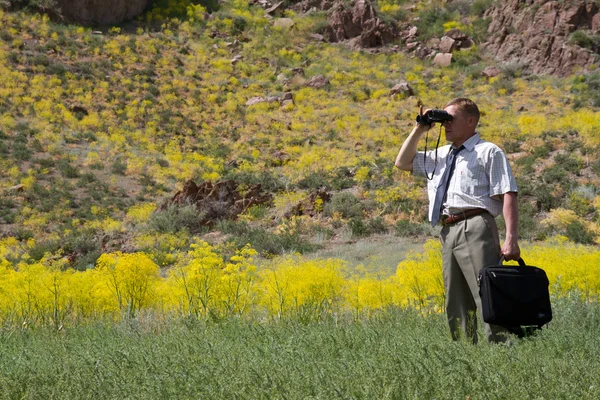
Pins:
x: 482, y: 173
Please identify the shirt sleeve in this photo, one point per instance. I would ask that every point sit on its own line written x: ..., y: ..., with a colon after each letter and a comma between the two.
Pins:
x: 501, y: 176
x: 423, y: 165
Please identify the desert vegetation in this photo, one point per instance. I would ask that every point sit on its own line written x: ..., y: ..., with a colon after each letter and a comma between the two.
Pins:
x: 98, y: 130
x: 103, y: 129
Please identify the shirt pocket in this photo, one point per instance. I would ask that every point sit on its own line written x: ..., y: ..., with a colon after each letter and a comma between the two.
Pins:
x: 468, y: 181
x: 474, y: 182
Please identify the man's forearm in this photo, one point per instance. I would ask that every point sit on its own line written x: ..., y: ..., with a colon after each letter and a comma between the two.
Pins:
x: 510, y: 210
x: 407, y: 152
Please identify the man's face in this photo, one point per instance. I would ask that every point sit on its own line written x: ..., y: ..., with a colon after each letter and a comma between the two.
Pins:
x: 461, y: 127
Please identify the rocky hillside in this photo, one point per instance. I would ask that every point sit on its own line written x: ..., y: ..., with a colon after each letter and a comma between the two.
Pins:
x: 549, y: 37
x: 544, y: 36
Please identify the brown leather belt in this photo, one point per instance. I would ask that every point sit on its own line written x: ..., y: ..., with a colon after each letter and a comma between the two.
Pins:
x: 454, y: 218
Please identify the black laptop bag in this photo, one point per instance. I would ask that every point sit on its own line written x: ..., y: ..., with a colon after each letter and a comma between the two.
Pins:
x: 515, y: 297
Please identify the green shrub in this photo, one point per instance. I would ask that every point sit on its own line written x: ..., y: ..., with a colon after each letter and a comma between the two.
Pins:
x: 505, y: 83
x: 432, y: 19
x: 511, y: 146
x: 175, y: 218
x: 85, y: 248
x: 345, y: 204
x: 87, y: 178
x: 586, y: 88
x: 479, y: 7
x: 314, y: 180
x: 118, y: 167
x: 404, y: 228
x: 581, y: 200
x: 596, y: 166
x: 67, y: 169
x: 41, y: 247
x: 555, y: 174
x: 20, y: 150
x: 545, y: 200
x: 268, y: 180
x: 585, y: 40
x: 46, y: 162
x: 513, y: 69
x: 569, y: 163
x: 578, y: 232
x: 266, y: 243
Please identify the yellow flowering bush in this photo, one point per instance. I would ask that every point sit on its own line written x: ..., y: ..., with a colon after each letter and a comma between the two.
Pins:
x: 203, y: 284
x: 131, y: 278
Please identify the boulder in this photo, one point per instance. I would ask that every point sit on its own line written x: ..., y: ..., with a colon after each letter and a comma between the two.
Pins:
x: 442, y: 59
x: 100, y: 12
x: 422, y: 52
x: 490, y: 72
x: 318, y: 82
x: 402, y: 88
x: 318, y: 37
x: 236, y: 59
x: 255, y: 100
x: 465, y: 44
x: 277, y: 8
x: 447, y: 44
x: 410, y: 46
x: 456, y: 34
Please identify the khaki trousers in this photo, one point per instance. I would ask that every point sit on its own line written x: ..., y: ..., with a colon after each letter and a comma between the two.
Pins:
x: 468, y: 246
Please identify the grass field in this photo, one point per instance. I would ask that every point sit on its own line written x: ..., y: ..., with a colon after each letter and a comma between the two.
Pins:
x: 399, y: 355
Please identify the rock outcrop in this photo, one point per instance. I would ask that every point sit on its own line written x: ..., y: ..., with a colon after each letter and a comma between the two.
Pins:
x: 360, y: 23
x: 311, y: 205
x: 100, y: 12
x: 221, y: 200
x: 536, y: 33
x: 356, y: 23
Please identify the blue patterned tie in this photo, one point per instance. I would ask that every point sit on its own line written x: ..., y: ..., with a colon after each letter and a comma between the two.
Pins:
x: 443, y: 186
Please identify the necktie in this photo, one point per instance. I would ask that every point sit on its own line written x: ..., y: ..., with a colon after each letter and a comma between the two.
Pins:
x: 443, y: 186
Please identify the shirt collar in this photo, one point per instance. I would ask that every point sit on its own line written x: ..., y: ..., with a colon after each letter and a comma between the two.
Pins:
x: 470, y: 143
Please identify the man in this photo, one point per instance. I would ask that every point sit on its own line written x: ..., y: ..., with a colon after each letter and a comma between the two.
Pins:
x: 471, y: 185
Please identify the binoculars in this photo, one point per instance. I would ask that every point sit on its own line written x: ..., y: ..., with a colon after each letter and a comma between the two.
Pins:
x: 434, y: 116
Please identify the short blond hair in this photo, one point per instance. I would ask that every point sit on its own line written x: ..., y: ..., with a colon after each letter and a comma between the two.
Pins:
x: 466, y: 105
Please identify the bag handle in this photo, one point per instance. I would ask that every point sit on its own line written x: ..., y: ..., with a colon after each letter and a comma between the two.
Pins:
x: 521, y: 262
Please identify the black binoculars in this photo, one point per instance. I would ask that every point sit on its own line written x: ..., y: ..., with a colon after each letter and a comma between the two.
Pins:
x: 434, y: 116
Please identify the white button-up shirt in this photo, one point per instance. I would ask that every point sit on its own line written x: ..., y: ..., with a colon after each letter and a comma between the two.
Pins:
x: 482, y: 173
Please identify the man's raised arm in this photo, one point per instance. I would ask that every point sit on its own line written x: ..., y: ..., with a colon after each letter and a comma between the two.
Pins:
x: 407, y: 153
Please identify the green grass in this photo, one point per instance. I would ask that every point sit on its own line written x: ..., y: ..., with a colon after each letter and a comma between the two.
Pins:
x: 398, y: 355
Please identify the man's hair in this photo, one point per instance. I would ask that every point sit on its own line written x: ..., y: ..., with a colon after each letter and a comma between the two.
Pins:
x: 466, y: 105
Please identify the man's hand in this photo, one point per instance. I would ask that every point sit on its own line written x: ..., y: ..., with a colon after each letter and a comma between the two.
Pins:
x: 405, y: 157
x: 510, y: 250
x: 424, y: 127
